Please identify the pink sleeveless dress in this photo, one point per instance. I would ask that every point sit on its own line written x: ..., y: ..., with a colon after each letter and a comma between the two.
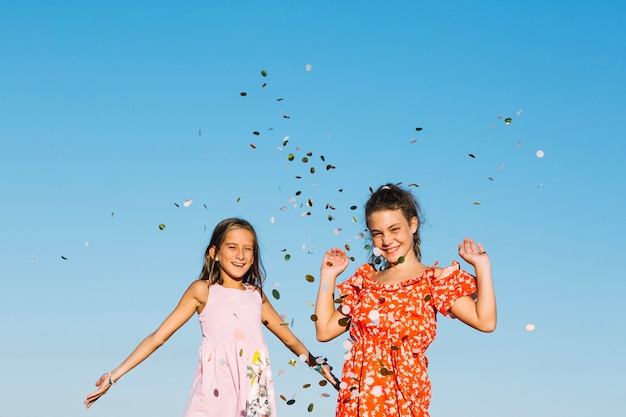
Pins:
x: 233, y: 377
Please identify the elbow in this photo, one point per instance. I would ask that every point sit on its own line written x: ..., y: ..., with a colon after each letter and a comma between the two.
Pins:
x: 488, y: 327
x: 322, y: 336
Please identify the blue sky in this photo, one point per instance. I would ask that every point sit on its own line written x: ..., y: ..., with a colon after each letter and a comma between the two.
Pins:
x: 113, y: 113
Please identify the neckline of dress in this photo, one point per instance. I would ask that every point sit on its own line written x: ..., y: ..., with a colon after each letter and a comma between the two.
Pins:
x: 427, y: 272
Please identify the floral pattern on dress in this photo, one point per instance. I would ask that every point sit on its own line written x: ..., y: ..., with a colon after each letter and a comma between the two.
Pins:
x: 258, y: 402
x: 391, y: 326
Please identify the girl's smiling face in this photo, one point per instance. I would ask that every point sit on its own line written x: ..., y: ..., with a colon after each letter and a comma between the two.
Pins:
x: 392, y: 234
x: 235, y: 255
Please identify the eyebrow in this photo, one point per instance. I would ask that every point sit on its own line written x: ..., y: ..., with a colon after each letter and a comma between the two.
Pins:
x: 390, y: 226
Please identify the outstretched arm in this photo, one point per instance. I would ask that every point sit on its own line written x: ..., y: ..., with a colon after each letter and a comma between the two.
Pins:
x: 195, y: 296
x: 327, y: 325
x: 481, y: 314
x: 272, y: 321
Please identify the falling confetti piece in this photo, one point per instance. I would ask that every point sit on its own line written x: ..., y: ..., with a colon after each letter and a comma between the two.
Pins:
x: 292, y: 362
x: 87, y: 243
x: 313, y: 317
x: 243, y: 94
x: 413, y: 185
x: 323, y: 383
x: 275, y: 294
x: 187, y: 203
x: 539, y: 153
x: 476, y: 203
x: 310, y: 407
x: 530, y: 327
x: 239, y: 199
x: 291, y: 402
x: 309, y: 278
x: 64, y: 258
x: 329, y: 167
x: 308, y: 67
x: 253, y: 146
x: 519, y: 112
x: 287, y: 257
x: 471, y: 155
x: 401, y: 260
x: 161, y: 226
x: 419, y: 129
x: 264, y: 73
x: 413, y: 140
x: 508, y: 120
x: 377, y: 251
x: 427, y: 297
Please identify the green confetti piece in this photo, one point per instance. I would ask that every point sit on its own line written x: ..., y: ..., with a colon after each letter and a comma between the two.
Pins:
x: 275, y: 293
x: 401, y: 260
x: 309, y: 278
x: 264, y: 73
x: 287, y: 257
x: 310, y: 407
x: 162, y: 226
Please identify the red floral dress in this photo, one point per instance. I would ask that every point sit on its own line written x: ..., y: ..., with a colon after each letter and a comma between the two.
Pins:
x: 391, y: 326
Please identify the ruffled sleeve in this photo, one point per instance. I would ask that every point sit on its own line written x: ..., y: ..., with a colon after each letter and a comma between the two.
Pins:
x: 350, y: 290
x: 452, y: 284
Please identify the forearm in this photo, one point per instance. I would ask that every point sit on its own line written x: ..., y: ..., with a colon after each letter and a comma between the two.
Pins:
x: 324, y: 306
x: 486, y: 299
x: 141, y: 352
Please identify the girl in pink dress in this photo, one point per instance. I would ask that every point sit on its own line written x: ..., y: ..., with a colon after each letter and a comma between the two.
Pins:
x: 233, y: 376
x: 389, y: 307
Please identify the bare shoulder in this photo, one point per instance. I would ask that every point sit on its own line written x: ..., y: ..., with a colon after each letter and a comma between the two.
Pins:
x: 199, y: 289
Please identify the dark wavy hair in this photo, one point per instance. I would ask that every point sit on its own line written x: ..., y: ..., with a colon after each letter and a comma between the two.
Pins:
x: 211, y: 271
x: 392, y: 197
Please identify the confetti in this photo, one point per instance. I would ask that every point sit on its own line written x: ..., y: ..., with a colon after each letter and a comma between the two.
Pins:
x: 64, y: 258
x: 161, y: 226
x: 310, y: 407
x: 287, y: 257
x: 539, y: 153
x: 530, y: 327
x: 508, y: 120
x: 187, y: 203
x: 309, y: 278
x: 413, y: 140
x: 264, y: 73
x: 243, y: 94
x: 253, y: 146
x: 275, y: 294
x: 471, y: 155
x: 308, y: 67
x: 419, y: 129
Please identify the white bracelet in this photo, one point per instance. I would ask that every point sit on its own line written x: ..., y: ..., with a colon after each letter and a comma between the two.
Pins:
x: 111, y: 382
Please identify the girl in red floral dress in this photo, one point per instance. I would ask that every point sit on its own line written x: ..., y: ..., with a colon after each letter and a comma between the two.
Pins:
x: 389, y: 307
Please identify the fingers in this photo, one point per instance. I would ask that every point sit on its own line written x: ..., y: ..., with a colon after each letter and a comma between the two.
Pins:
x: 468, y: 246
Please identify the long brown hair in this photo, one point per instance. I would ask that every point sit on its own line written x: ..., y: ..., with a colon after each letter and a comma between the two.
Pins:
x: 392, y: 197
x: 211, y: 270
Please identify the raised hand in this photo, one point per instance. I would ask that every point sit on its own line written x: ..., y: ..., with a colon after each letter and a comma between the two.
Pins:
x: 472, y: 253
x: 334, y: 263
